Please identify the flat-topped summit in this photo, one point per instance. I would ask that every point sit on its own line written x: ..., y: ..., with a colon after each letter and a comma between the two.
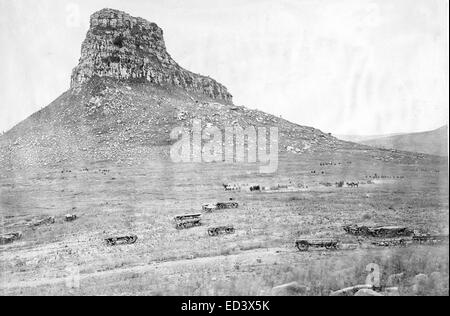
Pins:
x: 123, y: 47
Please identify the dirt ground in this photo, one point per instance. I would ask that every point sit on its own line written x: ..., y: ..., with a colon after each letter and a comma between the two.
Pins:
x: 67, y: 258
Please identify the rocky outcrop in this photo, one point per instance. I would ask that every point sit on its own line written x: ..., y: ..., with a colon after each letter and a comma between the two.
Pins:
x: 120, y: 46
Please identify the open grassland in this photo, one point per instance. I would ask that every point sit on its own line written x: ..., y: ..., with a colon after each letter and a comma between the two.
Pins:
x: 113, y: 200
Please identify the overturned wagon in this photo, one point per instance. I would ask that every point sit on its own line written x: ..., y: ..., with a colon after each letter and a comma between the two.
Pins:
x: 224, y: 205
x: 123, y: 240
x: 70, y: 217
x: 219, y: 205
x: 390, y: 242
x: 45, y: 221
x: 183, y: 217
x: 9, y: 238
x: 189, y: 223
x: 379, y: 231
x: 187, y: 220
x: 305, y: 244
x: 216, y: 231
x: 209, y: 207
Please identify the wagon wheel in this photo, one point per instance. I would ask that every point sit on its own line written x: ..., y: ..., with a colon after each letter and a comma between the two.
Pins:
x: 229, y: 230
x: 331, y: 246
x: 302, y: 246
x: 213, y: 232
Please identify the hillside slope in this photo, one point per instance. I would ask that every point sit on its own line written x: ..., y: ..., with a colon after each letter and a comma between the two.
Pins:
x: 109, y: 120
x: 362, y: 138
x: 433, y: 142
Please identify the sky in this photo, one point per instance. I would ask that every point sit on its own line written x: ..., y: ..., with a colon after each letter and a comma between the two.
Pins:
x: 359, y: 67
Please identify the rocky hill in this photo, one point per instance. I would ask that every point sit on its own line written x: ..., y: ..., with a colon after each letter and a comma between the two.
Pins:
x: 120, y: 46
x: 126, y: 96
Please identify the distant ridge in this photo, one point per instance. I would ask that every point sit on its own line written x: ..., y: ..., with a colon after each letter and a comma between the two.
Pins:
x: 433, y: 142
x: 362, y: 138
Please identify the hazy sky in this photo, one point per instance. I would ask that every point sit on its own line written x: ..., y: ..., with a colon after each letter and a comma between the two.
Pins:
x: 343, y: 66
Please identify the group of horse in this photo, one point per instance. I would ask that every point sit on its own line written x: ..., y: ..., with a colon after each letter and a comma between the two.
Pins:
x: 231, y: 187
x: 332, y: 163
x: 377, y: 176
x: 340, y: 184
x: 235, y: 187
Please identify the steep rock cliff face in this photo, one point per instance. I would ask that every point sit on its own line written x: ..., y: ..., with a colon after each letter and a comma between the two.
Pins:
x: 120, y: 46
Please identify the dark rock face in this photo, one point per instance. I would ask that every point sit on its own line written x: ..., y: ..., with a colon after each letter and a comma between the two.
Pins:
x: 120, y: 46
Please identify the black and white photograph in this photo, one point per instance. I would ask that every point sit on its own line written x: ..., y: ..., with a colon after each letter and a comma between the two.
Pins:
x: 224, y: 153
